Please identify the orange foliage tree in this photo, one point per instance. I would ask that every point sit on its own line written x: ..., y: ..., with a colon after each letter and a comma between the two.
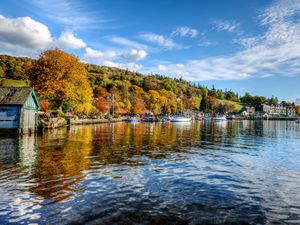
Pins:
x: 62, y: 80
x: 139, y: 106
x: 101, y: 104
x: 297, y: 109
x: 189, y: 103
x: 100, y: 92
x: 45, y: 106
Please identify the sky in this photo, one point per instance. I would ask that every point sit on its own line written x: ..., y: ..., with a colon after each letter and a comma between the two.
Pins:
x: 245, y: 46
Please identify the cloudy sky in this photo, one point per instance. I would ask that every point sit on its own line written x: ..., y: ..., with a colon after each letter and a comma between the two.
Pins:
x: 247, y: 46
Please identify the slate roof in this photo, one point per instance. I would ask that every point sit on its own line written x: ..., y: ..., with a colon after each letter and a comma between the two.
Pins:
x: 14, y: 95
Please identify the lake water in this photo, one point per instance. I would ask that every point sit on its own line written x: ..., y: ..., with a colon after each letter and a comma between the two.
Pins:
x: 233, y: 172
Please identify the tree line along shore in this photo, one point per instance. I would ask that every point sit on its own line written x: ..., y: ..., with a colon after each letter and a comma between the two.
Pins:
x: 68, y: 87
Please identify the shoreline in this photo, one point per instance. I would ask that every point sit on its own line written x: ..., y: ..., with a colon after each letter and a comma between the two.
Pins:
x: 72, y: 122
x: 54, y: 123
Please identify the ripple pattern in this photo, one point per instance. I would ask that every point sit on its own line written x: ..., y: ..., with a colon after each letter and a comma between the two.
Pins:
x: 234, y: 172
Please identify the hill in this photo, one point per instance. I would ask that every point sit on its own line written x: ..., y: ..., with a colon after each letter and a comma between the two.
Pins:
x: 133, y: 92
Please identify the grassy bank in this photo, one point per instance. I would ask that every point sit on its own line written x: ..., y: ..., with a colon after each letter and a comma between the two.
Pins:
x: 237, y: 106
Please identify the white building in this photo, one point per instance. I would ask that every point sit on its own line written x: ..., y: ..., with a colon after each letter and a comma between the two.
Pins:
x: 278, y: 110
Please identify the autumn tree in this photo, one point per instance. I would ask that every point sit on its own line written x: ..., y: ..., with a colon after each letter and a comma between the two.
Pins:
x: 189, y: 103
x: 212, y: 102
x: 155, y: 102
x: 169, y: 101
x: 297, y: 110
x: 100, y: 92
x: 139, y: 106
x: 121, y: 107
x: 101, y: 104
x: 45, y: 106
x: 62, y: 80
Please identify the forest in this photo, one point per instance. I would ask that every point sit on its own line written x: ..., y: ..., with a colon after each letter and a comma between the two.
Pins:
x: 66, y: 85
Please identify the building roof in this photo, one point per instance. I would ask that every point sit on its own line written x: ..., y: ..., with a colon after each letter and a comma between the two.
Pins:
x: 14, y: 95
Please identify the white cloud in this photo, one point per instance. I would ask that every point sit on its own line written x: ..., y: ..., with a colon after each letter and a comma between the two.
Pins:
x: 68, y: 40
x: 129, y: 66
x: 223, y: 25
x: 127, y: 43
x: 109, y: 58
x: 280, y: 11
x: 134, y: 55
x: 100, y: 56
x: 69, y: 13
x: 185, y: 32
x: 167, y: 42
x: 204, y: 42
x: 162, y: 68
x: 248, y: 42
x: 259, y: 61
x: 161, y: 41
x: 275, y: 52
x: 23, y: 34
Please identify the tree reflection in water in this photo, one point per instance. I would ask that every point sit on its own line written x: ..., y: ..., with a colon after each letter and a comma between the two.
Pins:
x: 171, y: 164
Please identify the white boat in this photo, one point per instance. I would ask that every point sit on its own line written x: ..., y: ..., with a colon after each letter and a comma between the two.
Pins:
x: 132, y: 120
x: 206, y: 117
x: 166, y: 118
x: 220, y: 118
x: 180, y: 119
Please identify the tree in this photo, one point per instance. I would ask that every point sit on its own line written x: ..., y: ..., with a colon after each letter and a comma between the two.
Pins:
x: 139, y: 106
x: 212, y: 103
x: 2, y: 73
x: 101, y: 105
x: 168, y: 101
x: 247, y: 99
x: 189, y: 103
x: 220, y: 94
x: 297, y: 109
x: 62, y: 80
x: 204, y: 101
x: 224, y: 108
x: 100, y: 92
x: 44, y: 106
x: 120, y: 108
x: 231, y: 96
x: 197, y: 101
x: 273, y: 101
x: 155, y: 103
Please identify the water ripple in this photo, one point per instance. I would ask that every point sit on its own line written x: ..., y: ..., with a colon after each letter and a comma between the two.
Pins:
x: 237, y: 172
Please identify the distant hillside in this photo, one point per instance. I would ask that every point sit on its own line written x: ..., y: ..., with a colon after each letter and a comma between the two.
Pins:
x: 131, y: 90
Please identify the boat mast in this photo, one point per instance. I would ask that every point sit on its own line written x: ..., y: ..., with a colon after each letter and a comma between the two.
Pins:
x: 113, y: 104
x: 181, y: 106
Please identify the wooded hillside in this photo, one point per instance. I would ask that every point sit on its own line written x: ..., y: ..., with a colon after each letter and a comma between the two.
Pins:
x: 131, y: 92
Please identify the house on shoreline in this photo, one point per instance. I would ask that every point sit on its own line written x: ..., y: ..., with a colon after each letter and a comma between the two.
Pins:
x: 269, y: 111
x: 18, y: 110
x: 277, y: 110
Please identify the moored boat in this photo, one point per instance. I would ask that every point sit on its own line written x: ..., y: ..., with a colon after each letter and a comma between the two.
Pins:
x: 151, y: 119
x: 132, y: 120
x: 230, y: 117
x: 220, y: 118
x: 180, y: 119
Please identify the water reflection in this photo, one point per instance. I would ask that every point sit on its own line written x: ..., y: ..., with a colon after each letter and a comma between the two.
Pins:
x: 153, y: 173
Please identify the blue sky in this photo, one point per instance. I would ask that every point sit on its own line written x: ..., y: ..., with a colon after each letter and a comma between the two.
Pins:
x: 250, y: 45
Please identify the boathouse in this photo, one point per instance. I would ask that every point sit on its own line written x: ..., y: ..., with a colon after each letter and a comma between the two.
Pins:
x: 18, y: 109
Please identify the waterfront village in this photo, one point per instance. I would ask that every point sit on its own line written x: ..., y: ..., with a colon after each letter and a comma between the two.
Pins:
x: 58, y: 90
